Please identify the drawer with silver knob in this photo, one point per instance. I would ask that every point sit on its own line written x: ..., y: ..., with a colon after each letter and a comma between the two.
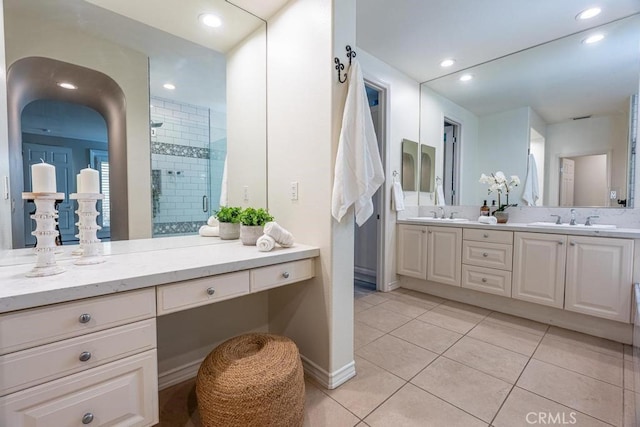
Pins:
x: 484, y: 254
x: 488, y: 280
x: 197, y: 292
x: 486, y: 235
x: 281, y: 274
x: 117, y: 393
x: 34, y: 366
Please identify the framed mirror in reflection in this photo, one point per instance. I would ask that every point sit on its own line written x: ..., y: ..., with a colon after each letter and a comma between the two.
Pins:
x: 160, y: 105
x: 558, y: 115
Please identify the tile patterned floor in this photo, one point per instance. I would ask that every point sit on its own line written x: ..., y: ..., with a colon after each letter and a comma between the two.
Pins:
x: 424, y: 361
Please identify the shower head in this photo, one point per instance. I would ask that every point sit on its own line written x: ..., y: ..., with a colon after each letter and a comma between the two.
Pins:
x: 155, y: 124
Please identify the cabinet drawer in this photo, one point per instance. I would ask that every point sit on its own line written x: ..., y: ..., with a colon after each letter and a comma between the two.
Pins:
x: 492, y: 236
x: 281, y: 274
x: 122, y: 393
x: 38, y: 365
x: 486, y: 280
x: 490, y: 255
x: 193, y: 293
x: 32, y: 327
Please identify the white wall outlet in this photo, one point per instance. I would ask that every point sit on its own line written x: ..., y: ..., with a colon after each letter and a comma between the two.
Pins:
x: 613, y: 194
x: 293, y: 190
x: 245, y: 193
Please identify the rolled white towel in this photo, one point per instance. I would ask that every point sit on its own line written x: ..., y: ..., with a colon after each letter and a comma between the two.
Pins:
x: 265, y: 243
x: 208, y: 231
x: 212, y: 221
x: 487, y: 220
x: 279, y: 234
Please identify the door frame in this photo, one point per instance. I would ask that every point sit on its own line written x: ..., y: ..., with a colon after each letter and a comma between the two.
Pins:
x: 457, y: 134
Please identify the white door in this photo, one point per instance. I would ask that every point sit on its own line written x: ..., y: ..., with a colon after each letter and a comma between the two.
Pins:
x: 62, y: 159
x: 411, y: 259
x: 448, y: 183
x: 567, y: 172
x: 444, y: 254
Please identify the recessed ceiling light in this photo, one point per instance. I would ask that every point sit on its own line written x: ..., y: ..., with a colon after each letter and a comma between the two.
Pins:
x: 588, y: 13
x: 67, y: 85
x: 466, y: 77
x: 169, y: 86
x: 210, y: 20
x: 593, y: 39
x: 447, y: 62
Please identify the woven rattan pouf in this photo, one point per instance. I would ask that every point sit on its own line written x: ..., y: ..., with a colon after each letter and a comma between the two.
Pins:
x: 252, y: 380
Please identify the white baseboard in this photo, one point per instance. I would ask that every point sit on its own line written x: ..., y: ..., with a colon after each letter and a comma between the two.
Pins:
x: 393, y: 286
x: 326, y: 379
x: 177, y: 375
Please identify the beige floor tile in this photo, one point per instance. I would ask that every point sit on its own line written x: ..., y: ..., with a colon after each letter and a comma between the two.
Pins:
x: 427, y: 336
x: 321, y: 411
x: 375, y: 298
x: 580, y: 359
x: 454, y: 320
x: 525, y: 409
x: 370, y: 387
x: 381, y: 319
x: 359, y: 305
x: 397, y: 356
x: 519, y: 323
x: 413, y: 407
x: 418, y: 296
x: 629, y: 377
x: 465, y: 308
x: 593, y: 397
x: 406, y: 307
x: 364, y: 334
x: 469, y: 389
x: 631, y: 415
x: 363, y: 424
x: 498, y: 362
x: 506, y: 337
x: 601, y: 345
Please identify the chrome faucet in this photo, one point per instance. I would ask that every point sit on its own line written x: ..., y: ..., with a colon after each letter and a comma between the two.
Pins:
x: 588, y: 221
x: 435, y: 214
x: 558, y: 219
x: 451, y: 214
x: 441, y: 210
x: 573, y: 217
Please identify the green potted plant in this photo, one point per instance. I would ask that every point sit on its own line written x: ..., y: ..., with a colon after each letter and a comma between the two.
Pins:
x: 252, y: 223
x: 229, y: 219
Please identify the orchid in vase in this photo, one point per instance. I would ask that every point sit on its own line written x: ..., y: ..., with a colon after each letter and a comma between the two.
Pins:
x: 499, y: 183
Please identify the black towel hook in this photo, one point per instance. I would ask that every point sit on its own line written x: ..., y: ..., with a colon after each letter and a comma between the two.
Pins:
x: 340, y: 66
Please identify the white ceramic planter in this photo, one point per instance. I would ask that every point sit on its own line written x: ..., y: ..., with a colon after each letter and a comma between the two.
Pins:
x: 229, y: 230
x: 249, y: 234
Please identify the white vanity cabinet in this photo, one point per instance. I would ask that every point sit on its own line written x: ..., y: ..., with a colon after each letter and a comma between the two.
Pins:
x: 599, y: 277
x: 430, y: 253
x: 539, y: 268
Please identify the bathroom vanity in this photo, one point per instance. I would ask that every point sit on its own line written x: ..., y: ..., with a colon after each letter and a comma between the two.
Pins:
x: 81, y: 346
x: 577, y: 270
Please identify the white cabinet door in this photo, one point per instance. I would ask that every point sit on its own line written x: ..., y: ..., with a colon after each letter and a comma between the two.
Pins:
x: 599, y: 275
x: 444, y: 254
x: 411, y: 258
x: 538, y: 268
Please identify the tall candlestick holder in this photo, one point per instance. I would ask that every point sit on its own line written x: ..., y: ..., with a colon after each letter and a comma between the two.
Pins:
x: 45, y: 233
x: 88, y: 228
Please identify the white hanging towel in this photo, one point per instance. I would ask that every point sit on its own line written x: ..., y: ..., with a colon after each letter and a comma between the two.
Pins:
x: 358, y: 172
x: 439, y: 196
x: 531, y: 192
x: 223, y: 186
x: 397, y: 196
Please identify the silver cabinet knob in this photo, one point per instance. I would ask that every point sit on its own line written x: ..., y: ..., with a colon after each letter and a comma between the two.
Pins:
x: 211, y: 291
x: 484, y: 280
x: 485, y: 254
x: 84, y: 318
x: 561, y: 243
x: 485, y: 235
x: 285, y: 274
x: 424, y: 231
x: 84, y: 356
x: 572, y: 243
x: 87, y: 418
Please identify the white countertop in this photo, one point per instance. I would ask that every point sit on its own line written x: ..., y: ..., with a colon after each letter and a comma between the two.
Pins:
x: 629, y: 233
x: 132, y: 264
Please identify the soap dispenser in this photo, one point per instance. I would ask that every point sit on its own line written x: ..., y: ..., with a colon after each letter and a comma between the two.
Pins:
x: 484, y: 209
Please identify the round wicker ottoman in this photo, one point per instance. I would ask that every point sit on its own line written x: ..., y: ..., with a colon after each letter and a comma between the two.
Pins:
x: 252, y: 380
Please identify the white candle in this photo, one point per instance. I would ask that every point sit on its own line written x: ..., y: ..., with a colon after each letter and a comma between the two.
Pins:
x: 89, y: 181
x: 43, y: 178
x: 78, y: 184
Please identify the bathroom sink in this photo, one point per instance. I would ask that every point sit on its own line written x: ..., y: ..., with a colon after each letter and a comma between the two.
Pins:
x: 429, y: 218
x: 577, y: 226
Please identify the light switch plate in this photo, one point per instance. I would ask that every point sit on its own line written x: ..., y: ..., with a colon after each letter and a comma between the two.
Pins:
x: 245, y: 193
x: 293, y: 190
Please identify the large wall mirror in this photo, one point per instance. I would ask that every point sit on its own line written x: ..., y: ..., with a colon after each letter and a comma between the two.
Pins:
x: 171, y: 112
x: 564, y: 106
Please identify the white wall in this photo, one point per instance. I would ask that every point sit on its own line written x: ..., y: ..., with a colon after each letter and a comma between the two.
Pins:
x: 403, y: 122
x: 596, y: 135
x: 5, y: 203
x: 305, y: 108
x: 434, y: 109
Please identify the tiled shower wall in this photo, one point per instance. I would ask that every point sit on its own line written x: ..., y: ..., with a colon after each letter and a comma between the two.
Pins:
x: 186, y: 165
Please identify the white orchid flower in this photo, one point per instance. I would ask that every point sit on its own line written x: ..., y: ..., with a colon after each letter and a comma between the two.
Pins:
x: 515, y: 179
x: 500, y: 177
x: 484, y: 179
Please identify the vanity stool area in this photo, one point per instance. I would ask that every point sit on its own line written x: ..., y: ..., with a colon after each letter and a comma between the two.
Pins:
x: 86, y: 346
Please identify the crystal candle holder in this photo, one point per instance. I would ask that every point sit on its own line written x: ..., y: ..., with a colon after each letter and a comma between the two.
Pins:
x: 90, y: 248
x: 45, y: 233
